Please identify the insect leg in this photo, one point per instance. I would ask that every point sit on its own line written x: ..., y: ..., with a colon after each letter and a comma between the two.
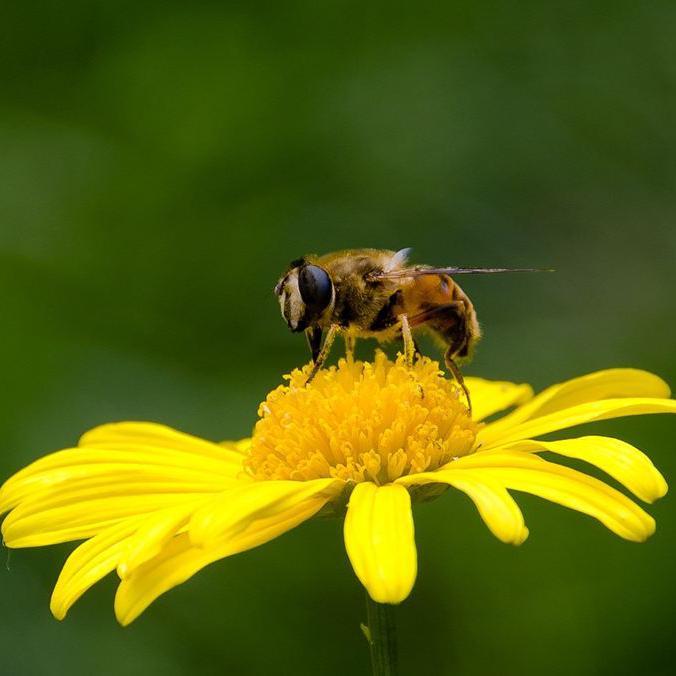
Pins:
x: 450, y: 322
x: 457, y: 374
x: 324, y: 352
x: 409, y: 344
x: 314, y: 340
x: 350, y: 342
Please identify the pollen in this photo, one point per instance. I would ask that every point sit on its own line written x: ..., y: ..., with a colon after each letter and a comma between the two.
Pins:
x: 361, y: 421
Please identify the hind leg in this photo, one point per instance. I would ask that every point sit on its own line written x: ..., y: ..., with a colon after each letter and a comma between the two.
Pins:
x: 459, y: 347
x: 449, y: 321
x: 457, y: 374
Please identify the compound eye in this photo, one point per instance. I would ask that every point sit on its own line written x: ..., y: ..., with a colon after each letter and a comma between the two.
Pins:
x: 315, y: 287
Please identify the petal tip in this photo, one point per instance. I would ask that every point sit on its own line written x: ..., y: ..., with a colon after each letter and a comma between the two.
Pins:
x: 514, y: 538
x: 123, y: 613
x: 657, y: 492
x: 521, y: 537
x: 391, y: 597
x: 58, y: 606
x: 642, y: 534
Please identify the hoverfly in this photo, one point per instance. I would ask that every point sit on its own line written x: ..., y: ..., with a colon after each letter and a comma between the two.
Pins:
x: 372, y: 293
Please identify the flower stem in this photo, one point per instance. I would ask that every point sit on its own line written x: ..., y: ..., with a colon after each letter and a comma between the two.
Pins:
x: 382, y: 637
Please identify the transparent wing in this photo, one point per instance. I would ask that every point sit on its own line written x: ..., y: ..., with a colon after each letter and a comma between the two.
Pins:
x: 420, y: 272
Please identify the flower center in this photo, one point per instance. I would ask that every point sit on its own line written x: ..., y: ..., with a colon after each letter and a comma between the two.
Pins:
x: 361, y: 421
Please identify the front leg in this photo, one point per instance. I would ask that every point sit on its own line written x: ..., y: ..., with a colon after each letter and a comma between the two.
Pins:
x: 314, y: 341
x: 324, y: 352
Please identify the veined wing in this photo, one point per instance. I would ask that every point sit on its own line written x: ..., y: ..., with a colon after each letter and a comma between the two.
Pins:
x: 420, y: 272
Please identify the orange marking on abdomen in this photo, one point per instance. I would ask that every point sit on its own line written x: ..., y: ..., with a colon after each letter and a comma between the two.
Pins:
x: 428, y: 291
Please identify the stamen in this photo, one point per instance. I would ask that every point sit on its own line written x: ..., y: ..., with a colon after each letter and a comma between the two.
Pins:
x: 361, y: 421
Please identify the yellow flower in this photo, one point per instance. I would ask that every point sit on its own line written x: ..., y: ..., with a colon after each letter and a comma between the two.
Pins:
x: 158, y: 505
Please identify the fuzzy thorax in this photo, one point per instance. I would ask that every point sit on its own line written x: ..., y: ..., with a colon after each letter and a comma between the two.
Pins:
x: 361, y: 421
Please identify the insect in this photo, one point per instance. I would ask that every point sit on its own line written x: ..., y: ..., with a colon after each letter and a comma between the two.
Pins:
x: 372, y: 293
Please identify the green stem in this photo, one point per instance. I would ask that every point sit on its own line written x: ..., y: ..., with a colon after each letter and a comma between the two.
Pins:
x: 382, y: 637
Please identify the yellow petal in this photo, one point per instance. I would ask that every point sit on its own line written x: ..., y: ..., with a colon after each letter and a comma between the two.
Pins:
x: 120, y: 470
x: 607, y: 384
x: 74, y: 512
x: 379, y: 538
x: 496, y: 506
x: 153, y: 534
x: 621, y: 460
x: 152, y: 434
x: 491, y: 396
x: 81, y: 466
x: 88, y: 564
x: 565, y: 486
x: 180, y: 560
x: 232, y: 511
x: 491, y: 436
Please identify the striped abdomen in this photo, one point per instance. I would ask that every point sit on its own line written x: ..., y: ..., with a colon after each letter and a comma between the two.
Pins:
x: 438, y: 303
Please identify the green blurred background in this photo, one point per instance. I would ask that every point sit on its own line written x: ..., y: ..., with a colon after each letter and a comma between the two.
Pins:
x: 161, y: 162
